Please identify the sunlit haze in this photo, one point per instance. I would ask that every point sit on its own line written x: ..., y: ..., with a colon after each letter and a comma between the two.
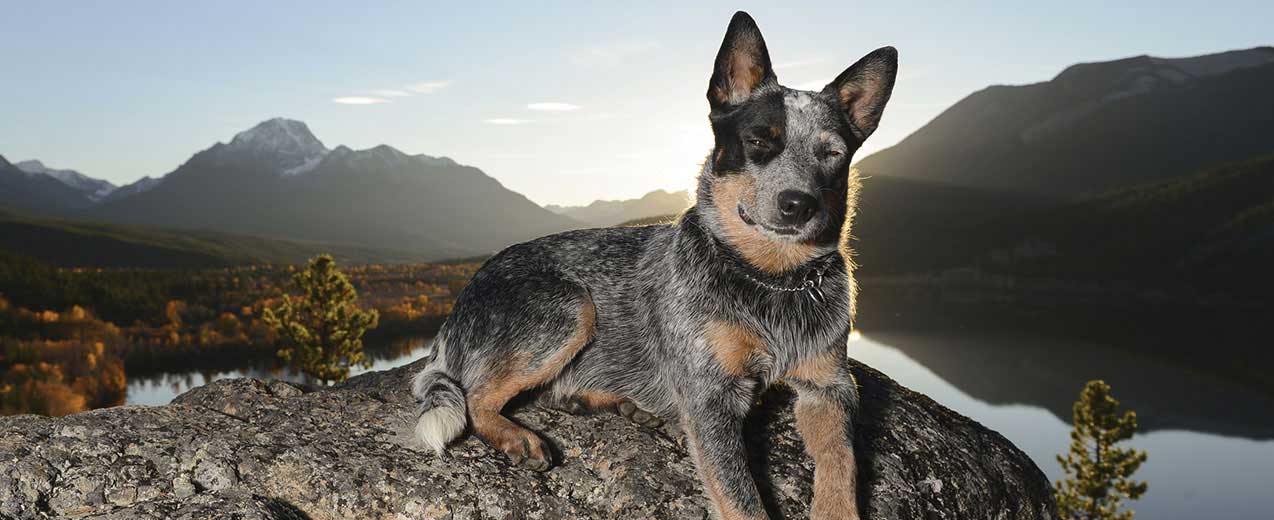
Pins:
x: 563, y: 103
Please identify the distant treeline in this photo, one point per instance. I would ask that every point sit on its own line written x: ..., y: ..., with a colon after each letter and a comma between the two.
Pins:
x: 67, y: 335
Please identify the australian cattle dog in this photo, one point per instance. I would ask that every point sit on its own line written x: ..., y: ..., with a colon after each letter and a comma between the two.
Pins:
x: 689, y: 321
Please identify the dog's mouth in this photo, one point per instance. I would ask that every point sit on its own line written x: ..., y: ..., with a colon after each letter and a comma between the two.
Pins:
x: 743, y: 215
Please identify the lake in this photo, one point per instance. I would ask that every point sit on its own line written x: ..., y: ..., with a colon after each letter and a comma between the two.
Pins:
x: 1210, y: 442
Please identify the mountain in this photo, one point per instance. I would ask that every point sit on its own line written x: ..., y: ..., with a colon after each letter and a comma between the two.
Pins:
x: 1213, y: 231
x: 38, y: 194
x: 905, y: 225
x: 94, y: 189
x: 81, y: 244
x: 1097, y: 126
x: 611, y: 212
x: 278, y: 180
x: 138, y: 186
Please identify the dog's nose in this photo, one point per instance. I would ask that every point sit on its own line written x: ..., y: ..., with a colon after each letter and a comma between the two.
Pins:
x: 796, y: 207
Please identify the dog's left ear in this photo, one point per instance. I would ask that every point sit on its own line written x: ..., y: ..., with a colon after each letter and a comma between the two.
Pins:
x: 864, y: 88
x: 743, y: 64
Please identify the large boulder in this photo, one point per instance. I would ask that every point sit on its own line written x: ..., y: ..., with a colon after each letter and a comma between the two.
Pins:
x: 248, y: 448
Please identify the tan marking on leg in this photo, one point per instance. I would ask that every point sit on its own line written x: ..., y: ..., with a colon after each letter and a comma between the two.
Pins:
x: 726, y: 509
x: 818, y: 370
x: 762, y: 252
x: 488, y: 399
x: 598, y: 400
x: 821, y: 423
x: 734, y: 346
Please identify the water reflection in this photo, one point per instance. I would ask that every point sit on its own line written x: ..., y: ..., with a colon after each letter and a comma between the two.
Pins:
x: 1191, y: 474
x: 1014, y: 369
x: 160, y: 389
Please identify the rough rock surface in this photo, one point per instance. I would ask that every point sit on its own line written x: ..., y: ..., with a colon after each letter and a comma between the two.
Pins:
x: 247, y: 448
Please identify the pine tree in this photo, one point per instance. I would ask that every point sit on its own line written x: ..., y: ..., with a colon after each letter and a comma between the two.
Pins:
x: 1098, y: 473
x: 321, y: 331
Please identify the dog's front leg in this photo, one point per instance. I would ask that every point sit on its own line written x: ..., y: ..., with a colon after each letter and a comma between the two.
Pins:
x: 825, y: 408
x: 714, y: 431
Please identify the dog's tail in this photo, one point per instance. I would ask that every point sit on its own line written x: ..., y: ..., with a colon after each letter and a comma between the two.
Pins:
x: 443, y: 413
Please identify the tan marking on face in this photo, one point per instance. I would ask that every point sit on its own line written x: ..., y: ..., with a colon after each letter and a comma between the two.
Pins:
x: 759, y: 250
x: 734, y: 347
x: 821, y: 422
x: 726, y: 508
x: 818, y: 370
x: 515, y: 376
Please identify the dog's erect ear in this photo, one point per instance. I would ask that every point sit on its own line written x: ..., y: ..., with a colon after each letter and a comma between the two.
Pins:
x: 743, y: 64
x: 864, y: 88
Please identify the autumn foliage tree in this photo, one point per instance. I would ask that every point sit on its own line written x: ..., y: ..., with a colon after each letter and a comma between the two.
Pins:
x: 1097, y: 472
x: 321, y: 331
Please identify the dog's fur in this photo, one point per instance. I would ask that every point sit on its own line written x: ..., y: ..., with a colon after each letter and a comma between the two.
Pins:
x: 689, y: 321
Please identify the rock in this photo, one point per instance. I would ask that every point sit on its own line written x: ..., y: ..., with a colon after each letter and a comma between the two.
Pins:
x: 248, y: 448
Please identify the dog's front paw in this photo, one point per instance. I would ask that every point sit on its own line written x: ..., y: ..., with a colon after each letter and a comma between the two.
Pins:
x: 528, y: 450
x: 635, y: 414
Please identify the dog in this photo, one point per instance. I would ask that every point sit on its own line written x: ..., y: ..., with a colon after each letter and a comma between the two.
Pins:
x: 689, y: 321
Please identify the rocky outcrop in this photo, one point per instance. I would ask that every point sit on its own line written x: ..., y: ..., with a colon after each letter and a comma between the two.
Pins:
x: 248, y: 448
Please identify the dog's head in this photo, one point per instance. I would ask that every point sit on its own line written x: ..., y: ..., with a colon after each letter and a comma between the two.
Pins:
x: 777, y: 184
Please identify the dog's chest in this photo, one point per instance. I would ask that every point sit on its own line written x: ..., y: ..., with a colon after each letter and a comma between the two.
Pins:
x: 763, y: 341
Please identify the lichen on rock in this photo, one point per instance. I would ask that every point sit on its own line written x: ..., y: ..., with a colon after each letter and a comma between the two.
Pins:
x: 248, y: 448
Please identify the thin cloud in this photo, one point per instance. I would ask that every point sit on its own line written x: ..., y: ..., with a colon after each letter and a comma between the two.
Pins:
x: 552, y: 107
x: 505, y: 121
x: 383, y: 95
x: 428, y: 87
x: 359, y: 100
x: 613, y: 53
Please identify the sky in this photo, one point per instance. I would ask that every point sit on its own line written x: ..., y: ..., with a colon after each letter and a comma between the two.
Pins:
x: 565, y: 103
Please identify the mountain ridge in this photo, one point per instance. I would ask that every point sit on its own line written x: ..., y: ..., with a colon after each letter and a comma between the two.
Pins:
x: 1096, y: 126
x: 94, y: 189
x: 277, y: 180
x: 612, y: 212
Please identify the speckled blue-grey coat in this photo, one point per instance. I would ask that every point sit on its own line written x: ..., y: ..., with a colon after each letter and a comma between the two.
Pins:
x: 689, y: 321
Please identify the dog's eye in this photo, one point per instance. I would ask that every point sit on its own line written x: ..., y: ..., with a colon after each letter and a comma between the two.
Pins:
x: 833, y: 153
x: 756, y: 142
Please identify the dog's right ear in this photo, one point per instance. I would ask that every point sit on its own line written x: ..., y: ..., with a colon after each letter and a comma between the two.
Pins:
x: 743, y: 64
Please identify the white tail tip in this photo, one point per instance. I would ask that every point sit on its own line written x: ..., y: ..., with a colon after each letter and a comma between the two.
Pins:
x: 439, y: 426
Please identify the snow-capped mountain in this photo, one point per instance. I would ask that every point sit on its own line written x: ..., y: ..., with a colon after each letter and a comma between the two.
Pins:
x: 278, y: 180
x: 38, y: 194
x: 287, y: 141
x: 94, y: 189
